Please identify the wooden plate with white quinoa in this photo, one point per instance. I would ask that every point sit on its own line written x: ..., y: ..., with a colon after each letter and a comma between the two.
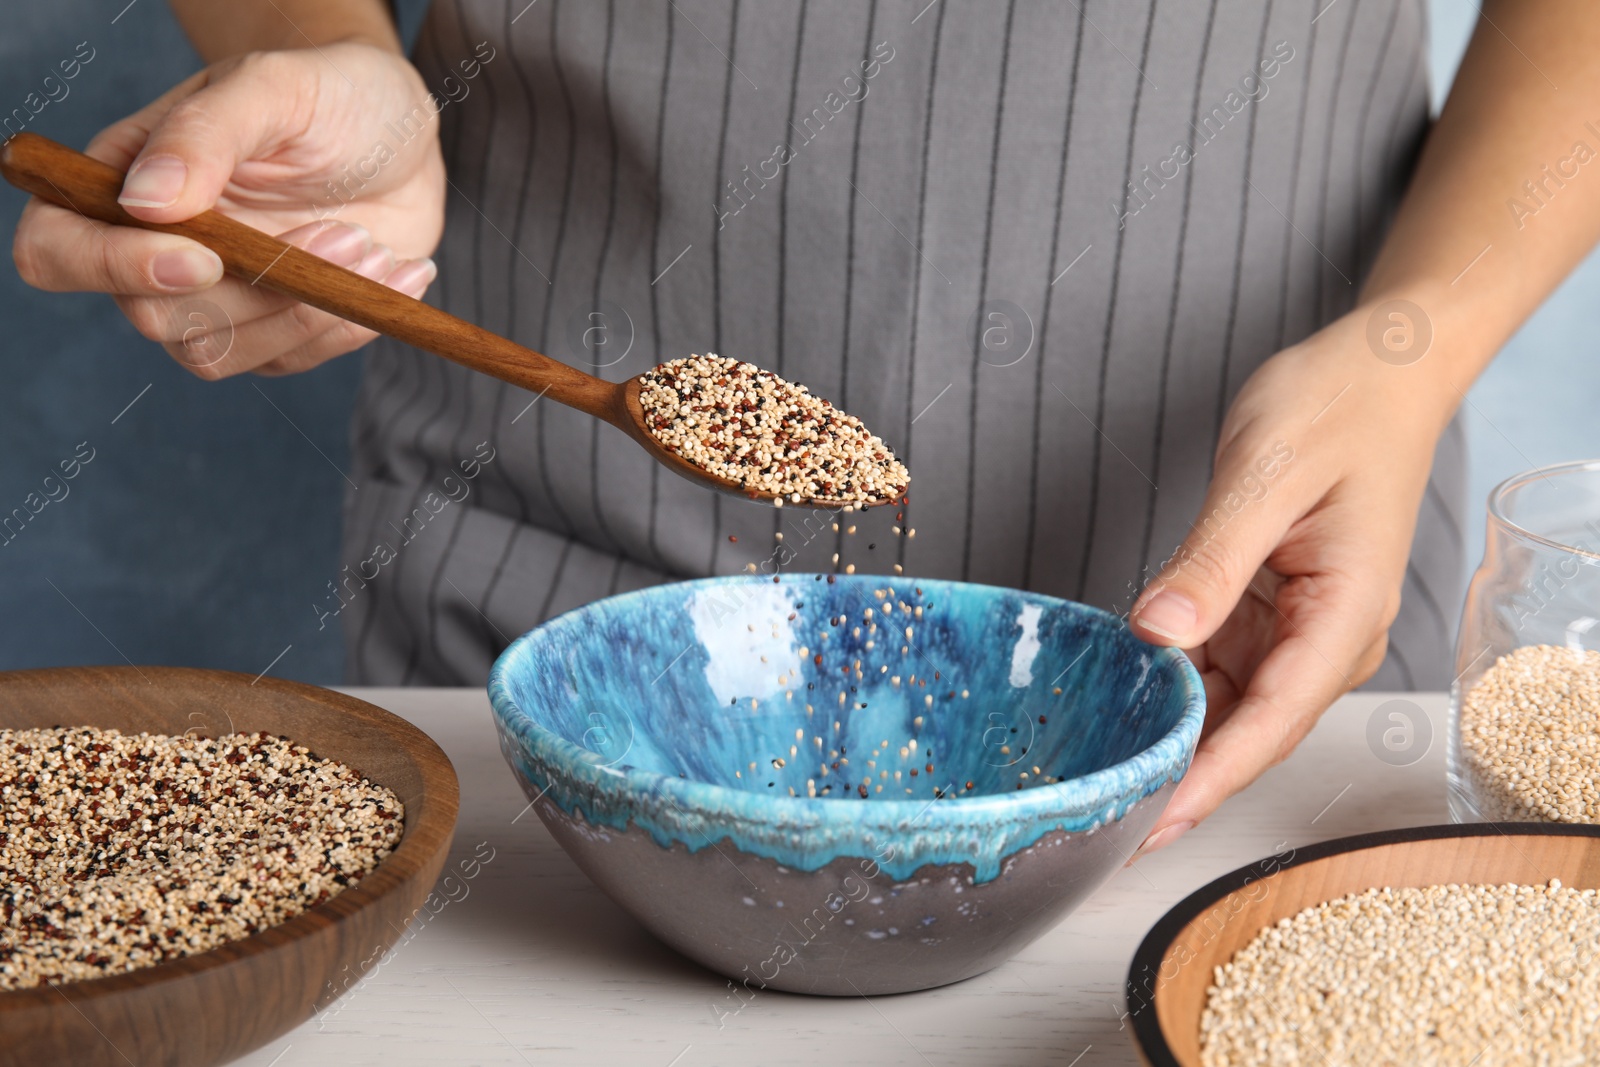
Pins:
x: 1457, y: 944
x: 273, y: 963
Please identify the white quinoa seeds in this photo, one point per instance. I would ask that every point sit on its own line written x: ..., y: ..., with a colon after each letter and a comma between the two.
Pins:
x: 1492, y: 976
x: 770, y: 436
x: 122, y: 851
x: 1530, y: 736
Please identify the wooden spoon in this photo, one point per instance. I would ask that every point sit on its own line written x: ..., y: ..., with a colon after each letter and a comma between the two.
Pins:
x: 72, y: 180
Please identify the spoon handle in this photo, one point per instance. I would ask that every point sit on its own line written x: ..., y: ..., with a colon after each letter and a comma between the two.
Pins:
x: 69, y: 179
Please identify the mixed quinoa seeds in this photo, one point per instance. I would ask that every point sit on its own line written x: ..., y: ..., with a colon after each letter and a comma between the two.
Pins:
x: 122, y: 851
x: 1491, y: 976
x: 1530, y: 736
x: 771, y: 437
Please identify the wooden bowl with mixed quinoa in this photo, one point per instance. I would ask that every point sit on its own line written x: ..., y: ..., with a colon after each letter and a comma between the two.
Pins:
x: 1462, y: 944
x: 195, y: 862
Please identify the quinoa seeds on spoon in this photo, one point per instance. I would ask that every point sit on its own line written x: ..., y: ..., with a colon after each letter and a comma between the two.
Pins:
x: 769, y: 436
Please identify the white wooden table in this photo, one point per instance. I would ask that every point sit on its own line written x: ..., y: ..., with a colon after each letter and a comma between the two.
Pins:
x: 529, y: 963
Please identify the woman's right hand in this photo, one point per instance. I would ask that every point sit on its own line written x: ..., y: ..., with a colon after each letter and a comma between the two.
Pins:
x: 335, y: 150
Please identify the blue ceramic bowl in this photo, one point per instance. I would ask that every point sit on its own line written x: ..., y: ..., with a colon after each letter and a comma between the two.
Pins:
x: 981, y: 758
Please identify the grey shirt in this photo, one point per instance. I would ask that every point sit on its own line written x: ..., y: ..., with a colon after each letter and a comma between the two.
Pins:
x: 1036, y: 246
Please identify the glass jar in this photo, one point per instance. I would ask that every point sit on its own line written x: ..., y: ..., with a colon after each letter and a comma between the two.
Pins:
x: 1525, y: 705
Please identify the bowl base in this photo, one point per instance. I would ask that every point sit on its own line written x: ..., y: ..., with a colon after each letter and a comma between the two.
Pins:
x: 846, y: 928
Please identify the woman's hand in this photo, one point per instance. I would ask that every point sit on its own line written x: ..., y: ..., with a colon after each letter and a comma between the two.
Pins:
x: 333, y: 149
x: 1285, y: 588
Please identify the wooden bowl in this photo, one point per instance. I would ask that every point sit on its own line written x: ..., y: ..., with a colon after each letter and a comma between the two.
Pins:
x: 1172, y: 970
x: 216, y: 1006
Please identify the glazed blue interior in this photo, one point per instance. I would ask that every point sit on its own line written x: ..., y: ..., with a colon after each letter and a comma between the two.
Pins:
x: 1034, y: 713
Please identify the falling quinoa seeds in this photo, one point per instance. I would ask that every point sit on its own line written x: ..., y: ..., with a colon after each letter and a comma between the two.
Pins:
x: 771, y: 437
x: 120, y: 851
x: 1492, y: 976
x: 1530, y: 736
x: 885, y: 632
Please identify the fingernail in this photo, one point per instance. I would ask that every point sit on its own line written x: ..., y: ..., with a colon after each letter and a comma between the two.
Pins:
x: 414, y: 278
x: 186, y: 268
x: 1163, y: 837
x: 376, y: 264
x: 341, y: 243
x: 154, y: 182
x: 1169, y: 615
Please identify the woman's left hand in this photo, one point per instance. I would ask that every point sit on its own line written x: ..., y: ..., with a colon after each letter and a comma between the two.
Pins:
x: 1284, y: 590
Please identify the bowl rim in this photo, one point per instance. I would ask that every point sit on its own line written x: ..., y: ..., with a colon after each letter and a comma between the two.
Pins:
x: 1146, y: 1026
x: 409, y: 857
x: 1168, y: 755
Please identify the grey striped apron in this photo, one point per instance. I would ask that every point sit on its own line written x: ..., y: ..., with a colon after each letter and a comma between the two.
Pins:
x: 1036, y: 246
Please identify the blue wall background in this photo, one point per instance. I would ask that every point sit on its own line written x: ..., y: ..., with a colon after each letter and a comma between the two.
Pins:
x: 207, y: 522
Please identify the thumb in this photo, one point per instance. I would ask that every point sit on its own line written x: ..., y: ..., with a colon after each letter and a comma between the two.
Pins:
x: 1238, y: 527
x: 194, y: 148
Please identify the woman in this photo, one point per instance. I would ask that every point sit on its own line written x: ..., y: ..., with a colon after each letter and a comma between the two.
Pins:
x: 1111, y: 277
